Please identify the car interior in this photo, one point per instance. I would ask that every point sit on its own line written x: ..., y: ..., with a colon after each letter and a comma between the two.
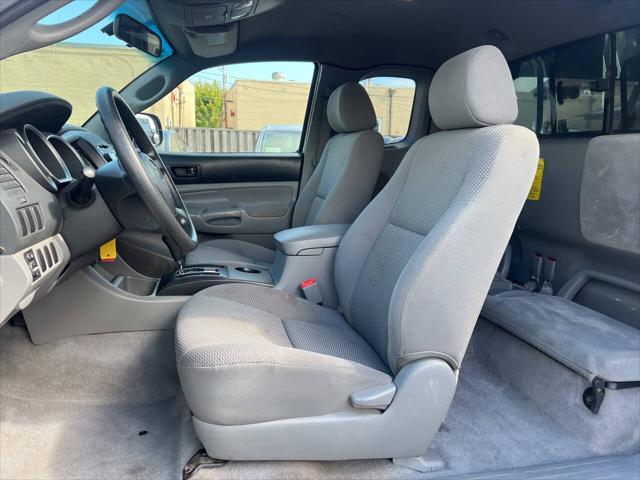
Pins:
x: 256, y: 239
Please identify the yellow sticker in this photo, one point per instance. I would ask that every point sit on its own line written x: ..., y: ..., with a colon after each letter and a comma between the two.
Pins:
x: 108, y: 251
x: 536, y: 188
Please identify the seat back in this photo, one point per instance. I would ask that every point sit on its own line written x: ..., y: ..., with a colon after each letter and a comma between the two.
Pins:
x: 343, y: 182
x: 413, y: 270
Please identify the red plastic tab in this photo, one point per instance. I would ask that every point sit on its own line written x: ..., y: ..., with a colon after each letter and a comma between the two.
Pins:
x: 307, y: 283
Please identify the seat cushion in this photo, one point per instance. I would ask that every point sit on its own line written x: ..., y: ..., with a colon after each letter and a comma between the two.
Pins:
x: 584, y: 340
x: 259, y: 354
x: 225, y: 250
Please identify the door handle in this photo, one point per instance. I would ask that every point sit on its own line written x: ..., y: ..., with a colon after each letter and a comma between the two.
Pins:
x: 184, y: 171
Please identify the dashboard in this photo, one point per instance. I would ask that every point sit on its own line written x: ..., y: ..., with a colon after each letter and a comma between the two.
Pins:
x: 44, y: 235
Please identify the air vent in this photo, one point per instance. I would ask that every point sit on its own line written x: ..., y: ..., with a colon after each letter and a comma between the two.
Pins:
x: 30, y: 219
x: 7, y: 180
x: 54, y: 252
x: 42, y: 259
x: 41, y: 262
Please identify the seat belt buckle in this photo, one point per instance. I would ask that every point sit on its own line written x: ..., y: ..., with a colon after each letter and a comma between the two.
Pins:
x: 549, y: 273
x: 311, y: 290
x: 536, y: 280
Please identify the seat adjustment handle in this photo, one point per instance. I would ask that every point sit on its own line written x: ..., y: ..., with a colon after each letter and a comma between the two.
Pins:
x: 378, y: 397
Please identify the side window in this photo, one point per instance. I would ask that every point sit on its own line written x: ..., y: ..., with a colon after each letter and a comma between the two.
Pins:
x: 626, y: 105
x: 252, y: 107
x: 392, y: 99
x: 580, y: 85
x: 532, y: 89
x: 564, y: 91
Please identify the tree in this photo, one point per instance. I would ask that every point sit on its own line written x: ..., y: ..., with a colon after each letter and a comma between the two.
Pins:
x: 209, y: 104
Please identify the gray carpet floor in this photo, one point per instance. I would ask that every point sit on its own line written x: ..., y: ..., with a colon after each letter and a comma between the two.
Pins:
x: 92, y: 407
x: 75, y: 408
x: 490, y: 426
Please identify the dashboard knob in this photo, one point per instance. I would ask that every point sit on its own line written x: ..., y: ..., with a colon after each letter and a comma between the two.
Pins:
x: 81, y: 192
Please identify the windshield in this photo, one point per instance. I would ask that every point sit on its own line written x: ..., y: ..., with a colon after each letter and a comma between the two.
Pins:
x: 76, y: 68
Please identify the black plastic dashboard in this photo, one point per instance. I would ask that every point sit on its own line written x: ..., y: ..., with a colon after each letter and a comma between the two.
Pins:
x: 42, y: 233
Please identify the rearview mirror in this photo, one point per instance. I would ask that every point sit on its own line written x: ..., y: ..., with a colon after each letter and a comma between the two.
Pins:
x: 137, y: 35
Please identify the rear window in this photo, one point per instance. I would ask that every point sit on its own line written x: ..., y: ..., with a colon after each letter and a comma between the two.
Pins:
x: 568, y: 90
x: 564, y: 91
x: 626, y: 112
x: 392, y: 99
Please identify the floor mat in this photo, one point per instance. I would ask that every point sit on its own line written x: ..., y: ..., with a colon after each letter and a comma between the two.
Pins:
x: 92, y: 407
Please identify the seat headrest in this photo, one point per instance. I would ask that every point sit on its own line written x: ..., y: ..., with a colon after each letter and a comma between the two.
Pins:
x: 350, y: 109
x: 473, y: 89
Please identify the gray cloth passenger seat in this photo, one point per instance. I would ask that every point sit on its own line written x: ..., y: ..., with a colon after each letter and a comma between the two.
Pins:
x: 339, y: 188
x: 596, y: 346
x: 270, y: 376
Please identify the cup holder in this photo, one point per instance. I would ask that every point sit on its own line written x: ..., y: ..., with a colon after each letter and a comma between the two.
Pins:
x: 247, y: 270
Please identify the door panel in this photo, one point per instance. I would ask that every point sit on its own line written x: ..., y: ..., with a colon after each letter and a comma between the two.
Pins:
x: 225, y: 168
x: 238, y: 208
x: 230, y: 194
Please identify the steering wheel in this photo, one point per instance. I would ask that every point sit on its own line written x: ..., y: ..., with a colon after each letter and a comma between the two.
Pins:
x: 147, y: 172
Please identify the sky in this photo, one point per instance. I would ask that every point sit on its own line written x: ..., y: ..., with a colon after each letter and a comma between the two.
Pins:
x: 293, y: 71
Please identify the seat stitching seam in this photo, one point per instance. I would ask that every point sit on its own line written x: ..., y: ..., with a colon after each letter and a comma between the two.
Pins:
x: 406, y: 229
x: 279, y: 364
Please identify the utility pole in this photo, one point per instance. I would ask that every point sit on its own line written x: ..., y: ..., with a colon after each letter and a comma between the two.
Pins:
x: 224, y: 97
x: 391, y: 92
x: 180, y: 105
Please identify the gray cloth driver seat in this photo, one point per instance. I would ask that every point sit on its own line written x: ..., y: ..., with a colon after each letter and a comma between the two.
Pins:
x: 270, y: 376
x: 339, y: 188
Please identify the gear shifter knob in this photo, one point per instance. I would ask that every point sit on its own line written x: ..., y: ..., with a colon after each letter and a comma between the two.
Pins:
x: 81, y: 192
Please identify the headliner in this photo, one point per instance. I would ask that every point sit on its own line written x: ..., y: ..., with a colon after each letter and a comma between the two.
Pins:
x: 363, y: 33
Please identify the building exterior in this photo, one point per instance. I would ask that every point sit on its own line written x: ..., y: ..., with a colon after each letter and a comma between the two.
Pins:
x: 79, y: 70
x: 253, y: 104
x: 393, y: 108
x: 75, y: 71
x: 250, y: 105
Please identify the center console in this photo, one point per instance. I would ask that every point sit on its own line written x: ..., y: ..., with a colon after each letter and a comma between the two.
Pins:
x: 308, y: 253
x: 303, y: 253
x: 193, y: 278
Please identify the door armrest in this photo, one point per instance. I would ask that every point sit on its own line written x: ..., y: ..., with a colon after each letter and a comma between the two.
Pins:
x: 308, y: 239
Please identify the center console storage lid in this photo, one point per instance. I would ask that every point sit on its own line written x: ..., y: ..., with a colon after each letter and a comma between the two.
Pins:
x: 296, y: 240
